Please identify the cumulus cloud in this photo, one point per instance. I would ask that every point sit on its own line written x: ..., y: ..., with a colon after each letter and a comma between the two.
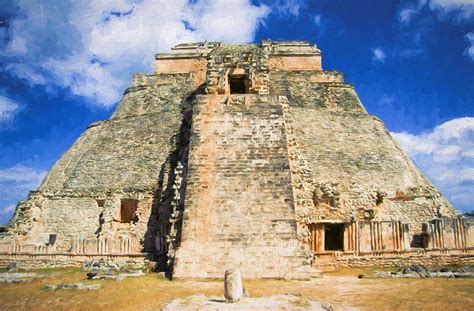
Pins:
x: 21, y: 173
x: 469, y: 52
x: 8, y: 108
x: 15, y: 183
x: 457, y: 10
x: 8, y: 209
x: 410, y: 10
x: 378, y: 55
x: 405, y: 15
x: 454, y: 11
x: 464, y: 8
x: 317, y: 20
x: 288, y: 7
x: 93, y: 47
x: 446, y: 155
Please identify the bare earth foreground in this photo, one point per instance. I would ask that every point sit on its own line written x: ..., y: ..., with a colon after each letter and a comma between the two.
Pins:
x: 341, y: 290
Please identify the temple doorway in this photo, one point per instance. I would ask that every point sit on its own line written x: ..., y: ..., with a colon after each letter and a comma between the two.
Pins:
x: 238, y: 84
x: 334, y: 237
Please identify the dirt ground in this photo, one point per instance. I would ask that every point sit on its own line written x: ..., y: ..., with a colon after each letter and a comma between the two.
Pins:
x: 340, y: 289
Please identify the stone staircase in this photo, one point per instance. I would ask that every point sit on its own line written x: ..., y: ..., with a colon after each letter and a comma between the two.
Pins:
x: 239, y: 208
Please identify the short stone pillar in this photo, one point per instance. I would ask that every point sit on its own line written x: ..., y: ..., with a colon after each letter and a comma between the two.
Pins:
x: 233, y: 289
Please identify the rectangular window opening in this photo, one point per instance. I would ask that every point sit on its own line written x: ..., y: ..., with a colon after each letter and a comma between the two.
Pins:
x: 420, y: 240
x: 52, y: 239
x: 334, y: 237
x: 238, y: 84
x: 128, y: 210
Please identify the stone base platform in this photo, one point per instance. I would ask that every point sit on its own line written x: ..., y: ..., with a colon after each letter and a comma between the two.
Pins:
x: 431, y: 258
x: 39, y: 261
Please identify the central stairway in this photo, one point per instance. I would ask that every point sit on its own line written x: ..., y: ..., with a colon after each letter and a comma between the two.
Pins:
x: 239, y: 208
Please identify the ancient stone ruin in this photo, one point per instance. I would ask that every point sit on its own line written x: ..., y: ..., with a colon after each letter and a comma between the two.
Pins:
x: 248, y: 156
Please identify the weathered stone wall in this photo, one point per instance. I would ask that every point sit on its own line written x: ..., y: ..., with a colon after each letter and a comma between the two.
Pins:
x: 65, y: 217
x: 50, y: 261
x: 401, y: 261
x: 293, y: 56
x: 316, y: 90
x: 295, y: 62
x: 469, y: 231
x: 126, y: 157
x: 239, y: 204
x: 346, y: 167
x: 116, y: 155
x: 155, y: 94
x: 343, y: 144
x: 128, y: 150
x: 183, y: 65
x: 357, y: 153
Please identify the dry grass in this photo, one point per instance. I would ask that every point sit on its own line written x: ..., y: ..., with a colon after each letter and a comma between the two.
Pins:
x: 340, y: 289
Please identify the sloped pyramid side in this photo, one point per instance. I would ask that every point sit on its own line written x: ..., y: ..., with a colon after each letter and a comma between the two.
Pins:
x: 126, y: 157
x: 352, y: 153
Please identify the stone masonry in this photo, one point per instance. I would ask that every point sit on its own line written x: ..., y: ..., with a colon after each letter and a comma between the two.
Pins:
x: 238, y: 163
x: 248, y: 156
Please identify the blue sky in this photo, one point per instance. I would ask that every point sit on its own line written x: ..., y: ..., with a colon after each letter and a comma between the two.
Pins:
x: 65, y: 64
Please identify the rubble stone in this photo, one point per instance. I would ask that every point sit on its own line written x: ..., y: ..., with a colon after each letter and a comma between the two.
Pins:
x: 79, y: 286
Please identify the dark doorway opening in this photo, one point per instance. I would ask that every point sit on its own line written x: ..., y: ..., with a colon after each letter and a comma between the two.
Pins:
x: 128, y: 210
x: 52, y: 239
x: 334, y: 237
x: 238, y: 84
x: 421, y: 240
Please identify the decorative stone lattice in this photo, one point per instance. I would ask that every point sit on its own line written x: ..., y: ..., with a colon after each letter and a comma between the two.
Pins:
x: 176, y: 214
x: 275, y: 63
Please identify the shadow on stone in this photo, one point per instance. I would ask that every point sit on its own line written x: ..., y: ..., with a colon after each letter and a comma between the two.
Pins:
x: 157, y: 240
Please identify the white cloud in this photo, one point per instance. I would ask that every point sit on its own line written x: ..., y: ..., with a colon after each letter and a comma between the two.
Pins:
x: 8, y: 209
x: 21, y: 173
x: 18, y: 44
x: 447, y: 3
x: 321, y: 23
x: 452, y: 4
x: 378, y: 55
x: 317, y: 20
x: 462, y: 9
x: 405, y: 15
x: 94, y: 47
x: 409, y: 11
x: 8, y: 108
x: 470, y: 49
x: 446, y: 155
x: 288, y: 7
x: 457, y: 10
x: 15, y: 184
x: 27, y: 72
x: 386, y: 100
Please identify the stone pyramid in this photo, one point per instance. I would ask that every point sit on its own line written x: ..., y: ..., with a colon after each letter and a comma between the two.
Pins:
x: 238, y: 155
